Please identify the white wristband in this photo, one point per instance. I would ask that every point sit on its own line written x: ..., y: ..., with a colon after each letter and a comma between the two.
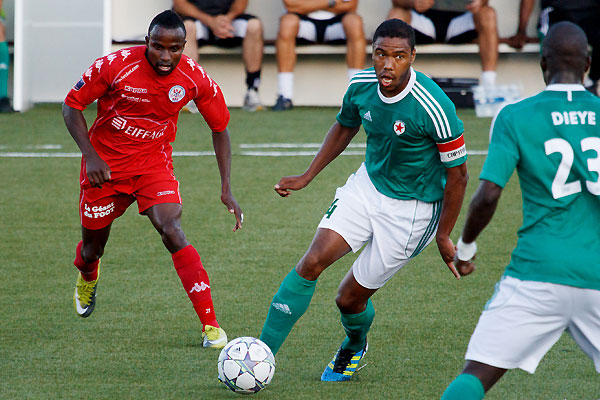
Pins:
x: 465, y: 251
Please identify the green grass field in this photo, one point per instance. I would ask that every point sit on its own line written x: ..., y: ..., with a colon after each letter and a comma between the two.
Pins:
x: 143, y: 340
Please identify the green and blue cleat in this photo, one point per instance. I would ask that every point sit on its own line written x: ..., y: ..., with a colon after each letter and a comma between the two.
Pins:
x: 344, y: 365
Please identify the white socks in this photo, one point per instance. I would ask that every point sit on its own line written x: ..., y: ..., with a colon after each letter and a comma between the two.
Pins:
x: 285, y: 80
x: 488, y: 79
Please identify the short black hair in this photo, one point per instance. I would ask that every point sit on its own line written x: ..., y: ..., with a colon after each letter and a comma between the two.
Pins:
x: 565, y: 47
x: 395, y: 28
x: 167, y: 19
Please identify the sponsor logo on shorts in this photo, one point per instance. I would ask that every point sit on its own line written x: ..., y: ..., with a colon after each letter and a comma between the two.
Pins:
x: 176, y: 93
x: 165, y: 192
x: 399, y: 127
x: 98, y: 211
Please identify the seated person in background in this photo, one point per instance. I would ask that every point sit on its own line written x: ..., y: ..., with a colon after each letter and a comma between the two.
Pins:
x: 223, y: 23
x: 316, y: 21
x: 454, y: 21
x: 584, y: 13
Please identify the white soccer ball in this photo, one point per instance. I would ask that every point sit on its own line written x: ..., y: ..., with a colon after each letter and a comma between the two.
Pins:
x: 246, y: 365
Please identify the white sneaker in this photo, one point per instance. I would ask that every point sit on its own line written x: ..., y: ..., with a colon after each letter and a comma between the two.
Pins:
x: 252, y: 101
x: 190, y: 107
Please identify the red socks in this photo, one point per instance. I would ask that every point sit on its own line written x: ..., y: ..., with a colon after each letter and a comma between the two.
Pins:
x: 195, y: 282
x: 89, y: 272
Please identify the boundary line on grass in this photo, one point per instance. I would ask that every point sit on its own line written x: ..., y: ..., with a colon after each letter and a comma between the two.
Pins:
x: 254, y: 150
x: 208, y: 153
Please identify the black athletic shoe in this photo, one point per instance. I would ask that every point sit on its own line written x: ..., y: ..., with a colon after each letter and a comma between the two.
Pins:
x: 282, y: 104
x: 5, y: 105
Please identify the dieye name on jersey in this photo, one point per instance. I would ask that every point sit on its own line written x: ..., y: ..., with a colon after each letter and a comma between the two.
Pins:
x: 573, y: 117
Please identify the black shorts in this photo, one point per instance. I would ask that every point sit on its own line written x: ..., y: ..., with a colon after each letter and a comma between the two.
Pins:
x: 441, y: 21
x: 587, y: 19
x: 320, y: 26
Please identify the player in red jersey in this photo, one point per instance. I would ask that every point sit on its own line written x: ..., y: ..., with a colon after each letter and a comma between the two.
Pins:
x: 127, y: 155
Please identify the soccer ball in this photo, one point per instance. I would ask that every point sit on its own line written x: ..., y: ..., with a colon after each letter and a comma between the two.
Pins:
x: 246, y: 365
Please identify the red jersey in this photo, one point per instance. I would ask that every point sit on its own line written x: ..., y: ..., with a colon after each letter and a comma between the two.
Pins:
x: 138, y: 109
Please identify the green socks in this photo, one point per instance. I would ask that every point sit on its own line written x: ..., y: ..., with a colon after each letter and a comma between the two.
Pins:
x: 289, y: 304
x: 357, y: 326
x: 464, y: 387
x: 4, y: 60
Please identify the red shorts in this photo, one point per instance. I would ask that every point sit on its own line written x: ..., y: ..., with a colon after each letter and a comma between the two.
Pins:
x: 98, y: 207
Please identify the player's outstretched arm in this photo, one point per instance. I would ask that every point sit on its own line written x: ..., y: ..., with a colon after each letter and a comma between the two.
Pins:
x: 336, y: 141
x: 454, y: 193
x: 481, y: 210
x: 97, y: 170
x: 222, y: 146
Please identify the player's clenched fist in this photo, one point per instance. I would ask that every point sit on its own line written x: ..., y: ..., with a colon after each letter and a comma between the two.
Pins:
x: 98, y: 171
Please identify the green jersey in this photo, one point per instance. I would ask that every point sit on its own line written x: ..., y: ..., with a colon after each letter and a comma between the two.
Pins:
x: 553, y: 141
x: 411, y: 137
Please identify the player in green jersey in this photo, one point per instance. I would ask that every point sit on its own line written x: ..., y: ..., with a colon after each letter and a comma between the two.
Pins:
x: 411, y: 185
x: 552, y: 282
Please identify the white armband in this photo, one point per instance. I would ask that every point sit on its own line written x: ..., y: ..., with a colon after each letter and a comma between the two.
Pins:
x: 465, y: 251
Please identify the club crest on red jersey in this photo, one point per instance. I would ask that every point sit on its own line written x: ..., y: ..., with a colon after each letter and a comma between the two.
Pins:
x: 176, y: 93
x: 399, y: 127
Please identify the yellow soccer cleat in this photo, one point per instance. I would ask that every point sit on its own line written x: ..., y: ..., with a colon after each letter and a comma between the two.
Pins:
x: 214, y: 337
x: 84, y: 298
